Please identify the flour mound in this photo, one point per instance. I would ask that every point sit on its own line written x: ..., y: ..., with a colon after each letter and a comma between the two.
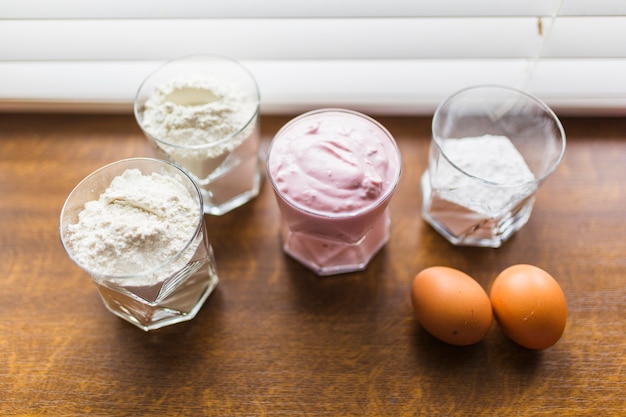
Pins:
x: 138, y: 223
x: 199, y: 121
x: 196, y: 111
x: 504, y: 175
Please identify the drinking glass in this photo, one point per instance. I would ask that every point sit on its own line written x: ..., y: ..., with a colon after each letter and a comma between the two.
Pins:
x: 156, y: 296
x: 335, y: 239
x: 475, y: 193
x: 226, y: 167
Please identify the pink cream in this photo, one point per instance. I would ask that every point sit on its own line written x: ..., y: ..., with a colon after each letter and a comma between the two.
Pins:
x: 334, y: 172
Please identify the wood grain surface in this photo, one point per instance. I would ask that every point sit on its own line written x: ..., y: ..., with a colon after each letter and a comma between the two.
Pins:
x: 274, y: 339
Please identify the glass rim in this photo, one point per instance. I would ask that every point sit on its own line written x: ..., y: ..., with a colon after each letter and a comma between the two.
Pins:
x: 381, y: 200
x: 511, y: 90
x: 167, y: 261
x: 199, y: 57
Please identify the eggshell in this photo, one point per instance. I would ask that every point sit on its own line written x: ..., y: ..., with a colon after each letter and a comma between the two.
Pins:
x: 451, y: 305
x: 529, y: 305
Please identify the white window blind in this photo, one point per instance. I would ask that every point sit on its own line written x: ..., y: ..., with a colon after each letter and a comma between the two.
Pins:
x: 392, y: 56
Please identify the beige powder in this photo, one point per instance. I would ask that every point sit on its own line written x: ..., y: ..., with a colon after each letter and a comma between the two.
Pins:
x: 198, y: 121
x: 137, y: 224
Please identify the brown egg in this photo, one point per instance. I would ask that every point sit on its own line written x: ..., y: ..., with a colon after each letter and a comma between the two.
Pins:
x: 529, y: 306
x: 451, y: 305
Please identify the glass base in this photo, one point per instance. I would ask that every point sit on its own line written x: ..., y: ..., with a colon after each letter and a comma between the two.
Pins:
x: 226, y: 181
x: 173, y: 305
x: 329, y: 257
x: 464, y: 227
x: 233, y: 189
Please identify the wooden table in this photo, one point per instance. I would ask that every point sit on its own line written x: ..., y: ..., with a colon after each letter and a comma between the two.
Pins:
x: 273, y: 339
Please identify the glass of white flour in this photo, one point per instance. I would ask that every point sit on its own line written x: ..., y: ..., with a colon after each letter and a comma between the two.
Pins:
x: 201, y: 112
x: 137, y: 227
x: 492, y: 147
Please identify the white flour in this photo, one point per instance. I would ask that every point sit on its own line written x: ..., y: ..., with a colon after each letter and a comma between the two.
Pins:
x: 194, y: 115
x: 491, y: 158
x: 132, y: 229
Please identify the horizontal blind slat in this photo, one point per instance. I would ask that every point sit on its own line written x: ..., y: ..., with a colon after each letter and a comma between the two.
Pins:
x: 106, y: 9
x: 145, y: 9
x: 292, y: 86
x: 367, y: 38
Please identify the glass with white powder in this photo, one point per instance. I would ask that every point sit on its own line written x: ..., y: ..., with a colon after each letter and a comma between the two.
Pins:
x: 492, y: 147
x: 137, y: 227
x: 201, y: 112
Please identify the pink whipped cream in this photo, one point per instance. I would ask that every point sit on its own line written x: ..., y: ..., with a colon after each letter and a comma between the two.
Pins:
x: 334, y: 172
x: 334, y: 162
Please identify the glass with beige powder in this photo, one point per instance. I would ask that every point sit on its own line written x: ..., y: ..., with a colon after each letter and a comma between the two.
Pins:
x: 201, y: 112
x: 492, y: 148
x: 137, y: 228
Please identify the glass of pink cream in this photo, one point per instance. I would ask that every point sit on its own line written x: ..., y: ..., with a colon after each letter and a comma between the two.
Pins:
x: 334, y: 172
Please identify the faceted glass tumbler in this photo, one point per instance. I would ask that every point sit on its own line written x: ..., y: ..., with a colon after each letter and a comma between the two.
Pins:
x: 331, y: 243
x: 227, y: 169
x: 149, y: 298
x: 474, y: 209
